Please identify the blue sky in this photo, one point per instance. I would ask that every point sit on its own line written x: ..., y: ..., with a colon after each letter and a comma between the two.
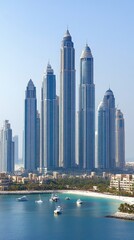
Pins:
x: 31, y: 32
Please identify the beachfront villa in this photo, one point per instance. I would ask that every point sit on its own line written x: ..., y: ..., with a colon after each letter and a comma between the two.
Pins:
x: 122, y: 182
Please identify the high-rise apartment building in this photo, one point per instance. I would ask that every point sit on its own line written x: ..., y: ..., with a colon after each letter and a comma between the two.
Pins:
x: 6, y: 149
x: 86, y: 111
x: 16, y: 149
x: 30, y: 127
x: 106, y: 132
x: 67, y: 103
x: 37, y: 140
x: 120, y: 140
x: 49, y: 124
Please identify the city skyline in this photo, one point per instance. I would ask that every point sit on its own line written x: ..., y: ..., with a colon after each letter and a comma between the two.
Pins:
x: 32, y: 43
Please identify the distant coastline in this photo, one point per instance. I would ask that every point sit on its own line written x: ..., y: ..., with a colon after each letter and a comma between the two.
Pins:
x: 25, y: 192
x: 77, y: 192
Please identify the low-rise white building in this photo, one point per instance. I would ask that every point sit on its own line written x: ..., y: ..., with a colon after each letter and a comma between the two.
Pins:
x: 122, y: 182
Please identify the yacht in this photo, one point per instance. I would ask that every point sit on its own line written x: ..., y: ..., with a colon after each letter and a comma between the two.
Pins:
x: 58, y: 210
x: 79, y: 201
x: 22, y: 199
x: 54, y: 198
x: 39, y: 201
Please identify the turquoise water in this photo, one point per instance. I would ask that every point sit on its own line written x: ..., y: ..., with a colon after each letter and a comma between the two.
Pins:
x: 32, y: 221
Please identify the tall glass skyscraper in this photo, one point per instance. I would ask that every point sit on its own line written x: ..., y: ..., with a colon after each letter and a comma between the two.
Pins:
x: 86, y: 111
x: 16, y: 149
x: 30, y: 127
x: 67, y: 103
x: 6, y: 149
x: 37, y: 140
x: 106, y: 132
x: 49, y: 125
x: 120, y: 140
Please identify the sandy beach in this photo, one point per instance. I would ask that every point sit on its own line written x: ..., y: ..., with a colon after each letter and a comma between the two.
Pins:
x: 100, y: 195
x: 129, y: 200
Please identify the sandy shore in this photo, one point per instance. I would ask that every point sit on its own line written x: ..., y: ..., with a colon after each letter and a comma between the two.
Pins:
x: 129, y: 200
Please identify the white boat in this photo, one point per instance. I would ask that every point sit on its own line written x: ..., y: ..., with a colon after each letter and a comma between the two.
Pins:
x: 58, y: 210
x: 79, y: 201
x: 22, y: 199
x: 39, y: 201
x: 54, y: 198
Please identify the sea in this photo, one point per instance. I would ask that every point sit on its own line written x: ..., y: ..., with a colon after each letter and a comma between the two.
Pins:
x: 32, y: 221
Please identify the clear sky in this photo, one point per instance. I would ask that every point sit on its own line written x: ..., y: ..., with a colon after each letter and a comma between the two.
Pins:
x: 31, y: 32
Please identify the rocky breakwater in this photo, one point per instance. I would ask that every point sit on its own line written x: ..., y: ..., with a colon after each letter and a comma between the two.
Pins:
x: 121, y: 215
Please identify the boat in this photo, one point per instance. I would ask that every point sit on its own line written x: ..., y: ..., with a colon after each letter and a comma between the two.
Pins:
x: 67, y: 198
x: 79, y: 201
x: 39, y: 201
x: 22, y: 199
x: 54, y: 198
x: 58, y: 210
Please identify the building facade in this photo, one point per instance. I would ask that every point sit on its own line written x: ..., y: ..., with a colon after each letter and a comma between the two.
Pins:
x: 6, y: 149
x: 16, y: 149
x: 120, y: 140
x: 123, y: 182
x: 106, y: 132
x: 49, y: 124
x: 67, y: 103
x: 86, y: 111
x: 37, y: 140
x: 30, y: 127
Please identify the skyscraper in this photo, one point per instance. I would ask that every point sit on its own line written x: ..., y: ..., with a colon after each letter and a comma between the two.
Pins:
x: 120, y: 140
x: 49, y: 125
x: 30, y: 127
x: 6, y: 148
x: 37, y: 140
x: 106, y: 132
x: 16, y: 149
x: 86, y: 111
x: 67, y: 103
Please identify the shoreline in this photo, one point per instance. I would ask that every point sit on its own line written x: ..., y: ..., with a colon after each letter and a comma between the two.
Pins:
x: 129, y: 200
x: 26, y: 192
x: 123, y: 216
x: 117, y: 215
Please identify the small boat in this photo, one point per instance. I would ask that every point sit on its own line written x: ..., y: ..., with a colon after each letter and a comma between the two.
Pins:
x: 58, y: 210
x: 79, y: 201
x: 39, y: 201
x: 54, y: 198
x: 22, y: 199
x: 67, y: 198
